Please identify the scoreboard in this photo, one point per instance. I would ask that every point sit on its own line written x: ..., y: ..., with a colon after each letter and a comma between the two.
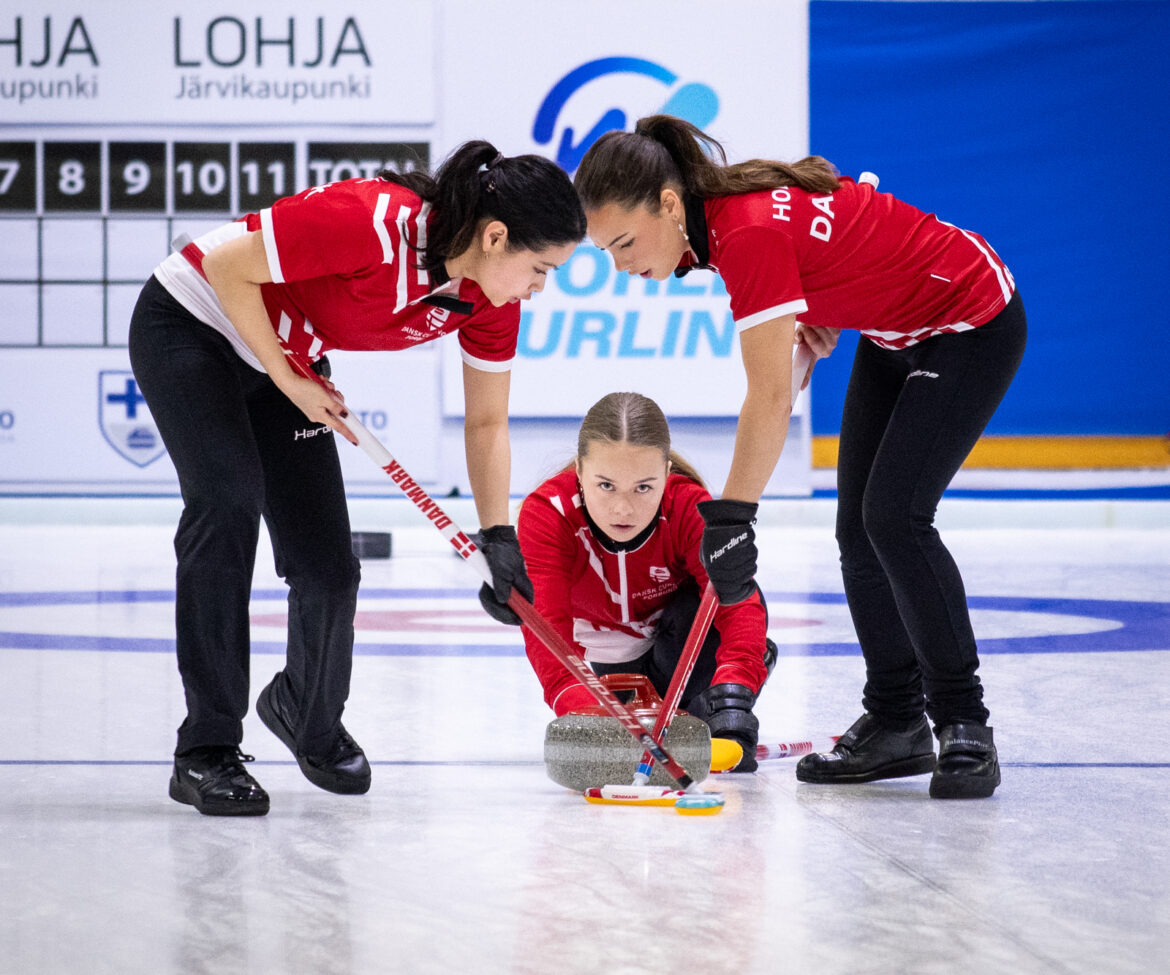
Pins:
x: 83, y: 223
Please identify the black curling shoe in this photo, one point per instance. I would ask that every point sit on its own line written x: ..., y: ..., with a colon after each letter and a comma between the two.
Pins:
x: 868, y: 751
x: 968, y: 766
x: 213, y: 780
x: 343, y: 769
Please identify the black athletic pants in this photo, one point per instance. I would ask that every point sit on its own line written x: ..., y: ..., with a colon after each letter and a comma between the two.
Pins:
x: 910, y: 419
x: 243, y: 451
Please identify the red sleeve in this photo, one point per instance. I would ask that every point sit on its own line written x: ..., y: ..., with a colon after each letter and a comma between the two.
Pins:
x: 742, y: 627
x: 323, y: 231
x: 549, y: 553
x: 488, y: 341
x: 758, y: 267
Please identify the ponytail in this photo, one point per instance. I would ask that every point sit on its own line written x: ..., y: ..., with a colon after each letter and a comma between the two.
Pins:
x: 632, y: 168
x: 529, y: 194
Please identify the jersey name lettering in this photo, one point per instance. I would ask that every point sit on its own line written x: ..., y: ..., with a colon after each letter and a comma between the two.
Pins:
x: 780, y: 205
x: 822, y: 227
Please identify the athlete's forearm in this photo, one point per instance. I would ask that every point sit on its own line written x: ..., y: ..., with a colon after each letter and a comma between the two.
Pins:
x: 235, y: 271
x: 763, y: 420
x: 489, y: 469
x: 759, y: 438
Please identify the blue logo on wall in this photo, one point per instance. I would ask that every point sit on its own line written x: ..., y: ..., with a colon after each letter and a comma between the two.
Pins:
x: 694, y: 102
x: 124, y: 420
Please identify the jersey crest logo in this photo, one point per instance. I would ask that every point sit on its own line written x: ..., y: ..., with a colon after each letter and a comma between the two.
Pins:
x: 659, y: 573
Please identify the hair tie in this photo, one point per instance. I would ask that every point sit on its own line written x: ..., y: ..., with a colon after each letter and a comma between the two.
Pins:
x: 487, y: 168
x: 484, y: 167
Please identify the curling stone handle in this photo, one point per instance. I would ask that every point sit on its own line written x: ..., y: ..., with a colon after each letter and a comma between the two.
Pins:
x: 645, y: 696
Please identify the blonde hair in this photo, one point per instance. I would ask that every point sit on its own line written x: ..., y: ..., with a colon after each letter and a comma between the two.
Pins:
x: 631, y: 418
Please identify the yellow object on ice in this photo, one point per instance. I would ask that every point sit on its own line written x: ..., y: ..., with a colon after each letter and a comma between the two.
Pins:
x: 633, y: 795
x: 725, y: 754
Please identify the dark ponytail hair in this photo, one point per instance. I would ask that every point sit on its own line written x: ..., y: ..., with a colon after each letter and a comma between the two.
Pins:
x: 632, y: 168
x: 634, y: 419
x: 530, y: 195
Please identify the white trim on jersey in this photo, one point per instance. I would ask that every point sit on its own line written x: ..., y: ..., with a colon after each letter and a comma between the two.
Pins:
x: 995, y: 266
x: 380, y: 209
x: 1002, y: 274
x: 315, y: 346
x: 788, y: 308
x: 625, y: 587
x: 585, y: 537
x: 420, y: 223
x: 606, y: 646
x: 268, y: 232
x: 903, y: 340
x: 403, y: 253
x: 284, y: 329
x: 484, y: 365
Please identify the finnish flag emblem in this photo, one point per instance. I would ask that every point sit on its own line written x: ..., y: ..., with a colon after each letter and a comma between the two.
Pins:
x: 124, y: 420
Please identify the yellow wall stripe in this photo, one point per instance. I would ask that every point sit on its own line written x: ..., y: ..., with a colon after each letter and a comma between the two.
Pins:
x: 1051, y: 453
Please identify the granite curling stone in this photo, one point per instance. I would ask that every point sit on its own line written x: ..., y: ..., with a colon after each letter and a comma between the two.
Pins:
x: 587, y: 748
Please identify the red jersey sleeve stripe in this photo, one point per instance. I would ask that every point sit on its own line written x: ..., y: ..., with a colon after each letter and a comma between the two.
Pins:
x: 270, y: 251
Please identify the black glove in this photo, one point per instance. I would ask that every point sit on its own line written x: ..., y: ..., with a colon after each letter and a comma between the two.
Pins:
x: 501, y: 548
x: 727, y: 709
x: 729, y: 548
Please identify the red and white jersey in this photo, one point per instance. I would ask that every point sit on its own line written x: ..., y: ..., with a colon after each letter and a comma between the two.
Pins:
x: 607, y: 604
x: 343, y: 262
x: 853, y: 258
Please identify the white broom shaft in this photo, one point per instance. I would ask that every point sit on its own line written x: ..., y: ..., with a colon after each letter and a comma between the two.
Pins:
x: 802, y: 360
x: 794, y: 749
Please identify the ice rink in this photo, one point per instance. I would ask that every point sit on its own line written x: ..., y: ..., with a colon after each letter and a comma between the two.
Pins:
x: 464, y: 857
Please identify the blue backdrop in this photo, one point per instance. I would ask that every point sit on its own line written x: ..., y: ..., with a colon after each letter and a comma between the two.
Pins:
x: 1044, y: 127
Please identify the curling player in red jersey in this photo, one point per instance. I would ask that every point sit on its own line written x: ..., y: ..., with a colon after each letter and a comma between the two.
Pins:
x: 379, y: 263
x: 612, y: 545
x: 942, y: 334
